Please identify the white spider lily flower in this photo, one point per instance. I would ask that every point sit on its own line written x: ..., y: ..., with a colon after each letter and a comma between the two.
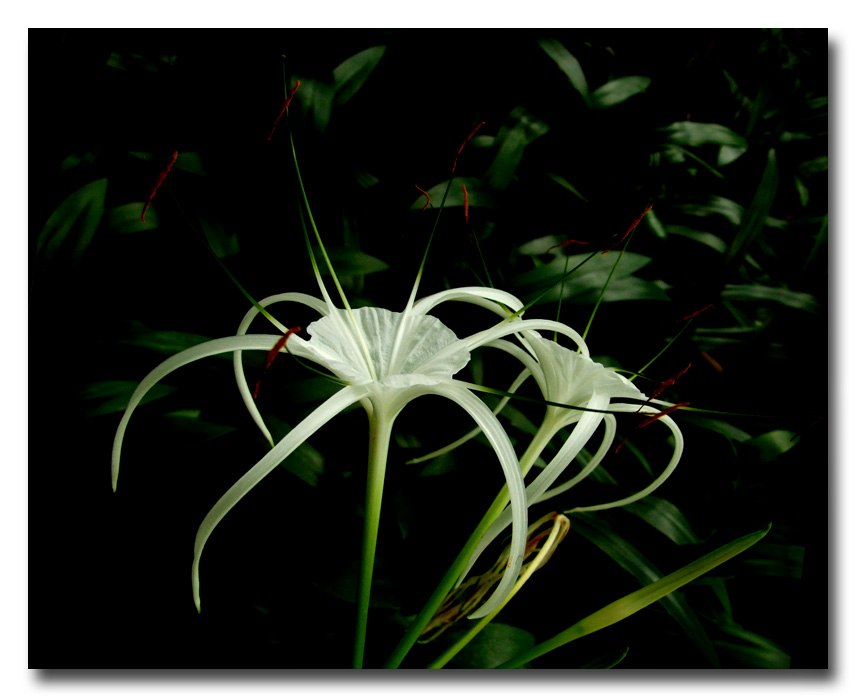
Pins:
x: 385, y: 359
x: 567, y: 377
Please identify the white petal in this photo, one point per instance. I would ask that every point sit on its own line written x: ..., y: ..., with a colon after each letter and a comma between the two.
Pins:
x: 478, y: 295
x: 240, y: 378
x: 216, y: 346
x: 511, y: 469
x: 679, y: 447
x: 318, y: 418
x: 579, y: 437
x: 426, y: 338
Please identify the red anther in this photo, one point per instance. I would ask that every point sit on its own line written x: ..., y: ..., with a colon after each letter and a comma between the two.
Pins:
x: 715, y: 364
x: 697, y: 312
x: 284, y: 107
x: 654, y: 418
x: 568, y: 242
x: 465, y: 142
x: 628, y: 232
x: 425, y: 194
x: 466, y: 205
x: 158, y: 182
x: 668, y: 382
x: 281, y: 342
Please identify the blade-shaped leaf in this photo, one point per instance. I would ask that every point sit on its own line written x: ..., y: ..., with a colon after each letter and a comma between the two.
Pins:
x: 755, y: 217
x: 568, y: 64
x: 80, y: 212
x: 640, y: 599
x: 349, y: 76
x: 692, y: 133
x: 632, y: 561
x: 617, y: 91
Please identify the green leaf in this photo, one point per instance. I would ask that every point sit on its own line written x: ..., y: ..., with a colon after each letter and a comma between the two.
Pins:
x: 223, y: 244
x: 640, y: 599
x: 349, y: 76
x: 306, y: 461
x: 666, y: 517
x: 776, y: 560
x: 568, y: 64
x: 755, y: 217
x: 478, y: 194
x: 715, y: 206
x: 351, y: 262
x: 189, y: 422
x: 81, y: 212
x: 729, y: 153
x: 617, y: 91
x: 497, y: 643
x: 634, y: 562
x: 585, y: 285
x: 607, y: 661
x: 756, y: 292
x: 113, y: 396
x: 709, y: 239
x: 773, y: 444
x: 126, y: 218
x: 564, y: 183
x: 166, y: 341
x: 692, y: 133
x: 521, y: 129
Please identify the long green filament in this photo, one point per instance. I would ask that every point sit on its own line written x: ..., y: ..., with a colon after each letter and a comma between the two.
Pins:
x: 380, y: 428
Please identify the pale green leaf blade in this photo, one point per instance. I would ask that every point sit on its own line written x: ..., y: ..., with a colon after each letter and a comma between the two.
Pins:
x: 619, y: 90
x: 640, y: 599
x: 568, y: 64
x: 349, y: 76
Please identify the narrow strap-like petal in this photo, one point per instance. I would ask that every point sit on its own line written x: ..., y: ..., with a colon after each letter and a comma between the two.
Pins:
x: 318, y: 418
x: 240, y: 378
x: 579, y: 437
x: 676, y: 456
x: 478, y: 295
x: 210, y: 348
x: 511, y: 469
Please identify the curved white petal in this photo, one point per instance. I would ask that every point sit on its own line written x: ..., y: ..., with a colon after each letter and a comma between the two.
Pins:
x: 318, y: 418
x: 240, y: 378
x: 522, y: 376
x: 595, y: 461
x: 478, y: 295
x: 503, y: 329
x: 216, y: 346
x: 580, y: 435
x: 511, y: 469
x: 676, y: 456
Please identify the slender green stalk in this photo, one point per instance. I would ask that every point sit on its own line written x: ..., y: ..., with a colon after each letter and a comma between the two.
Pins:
x: 606, y: 284
x: 380, y: 428
x: 540, y: 440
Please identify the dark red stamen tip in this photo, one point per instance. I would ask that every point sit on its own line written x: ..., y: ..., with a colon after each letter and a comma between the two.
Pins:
x: 697, y: 312
x: 465, y: 142
x: 654, y: 418
x: 425, y: 194
x: 629, y: 231
x: 668, y: 382
x: 466, y: 205
x: 568, y: 242
x: 158, y: 182
x: 269, y: 359
x: 283, y: 109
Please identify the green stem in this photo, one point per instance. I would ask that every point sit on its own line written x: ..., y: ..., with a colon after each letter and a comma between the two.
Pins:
x: 540, y: 440
x: 380, y: 428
